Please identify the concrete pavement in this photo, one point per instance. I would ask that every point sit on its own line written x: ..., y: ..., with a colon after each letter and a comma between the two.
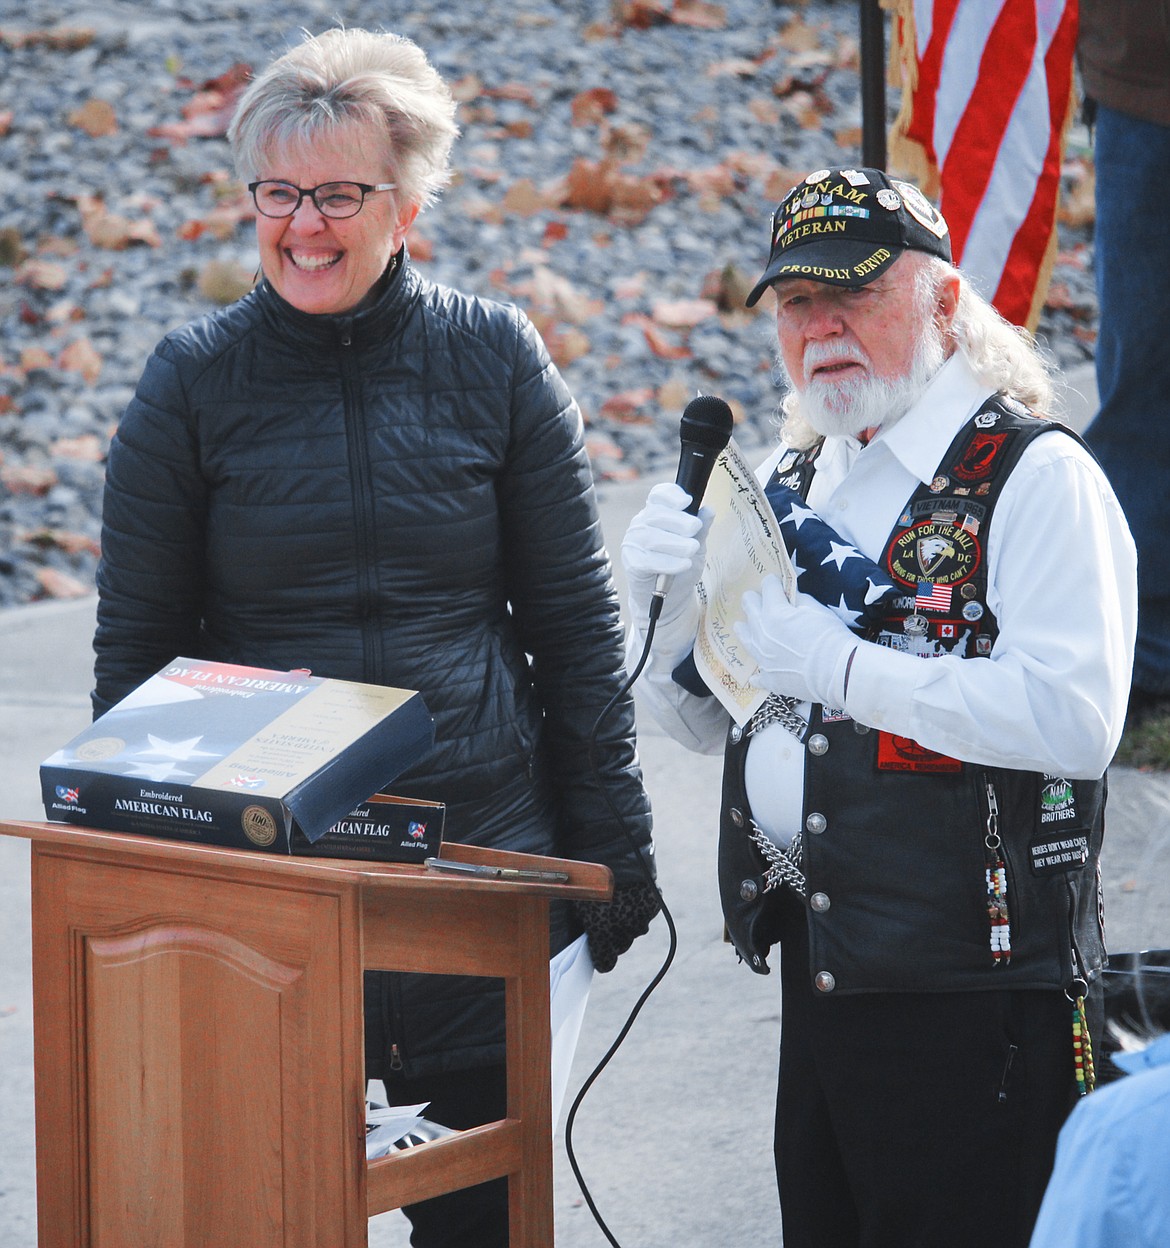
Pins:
x: 674, y: 1138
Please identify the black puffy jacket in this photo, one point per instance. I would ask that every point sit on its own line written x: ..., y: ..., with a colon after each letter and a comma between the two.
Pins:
x: 399, y: 496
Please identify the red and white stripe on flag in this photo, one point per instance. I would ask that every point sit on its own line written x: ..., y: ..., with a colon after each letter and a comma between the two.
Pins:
x: 987, y: 96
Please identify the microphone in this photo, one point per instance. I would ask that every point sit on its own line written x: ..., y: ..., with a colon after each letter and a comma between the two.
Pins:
x: 705, y: 429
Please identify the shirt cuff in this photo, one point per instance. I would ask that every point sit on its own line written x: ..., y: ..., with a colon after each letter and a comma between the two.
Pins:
x: 882, y: 686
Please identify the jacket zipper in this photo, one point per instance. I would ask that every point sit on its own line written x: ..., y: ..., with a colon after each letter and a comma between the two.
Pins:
x: 357, y: 447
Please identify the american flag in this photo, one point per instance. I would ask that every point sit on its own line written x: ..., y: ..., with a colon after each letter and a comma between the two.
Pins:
x: 830, y: 569
x: 987, y: 96
x: 932, y: 597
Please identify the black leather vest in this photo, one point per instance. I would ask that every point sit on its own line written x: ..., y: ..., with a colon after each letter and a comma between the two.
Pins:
x: 895, y: 837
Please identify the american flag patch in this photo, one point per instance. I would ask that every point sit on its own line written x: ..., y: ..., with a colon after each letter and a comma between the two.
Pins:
x: 932, y: 597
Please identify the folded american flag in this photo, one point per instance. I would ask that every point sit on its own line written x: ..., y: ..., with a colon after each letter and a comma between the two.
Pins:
x: 828, y: 568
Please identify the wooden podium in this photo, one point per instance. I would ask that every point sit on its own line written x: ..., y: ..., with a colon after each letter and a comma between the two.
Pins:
x: 199, y: 1061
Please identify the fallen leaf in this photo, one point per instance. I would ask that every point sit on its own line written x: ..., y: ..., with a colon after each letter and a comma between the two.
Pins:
x: 657, y: 341
x: 848, y: 137
x: 86, y: 447
x: 599, y: 446
x: 739, y: 66
x: 682, y: 313
x: 207, y: 114
x: 590, y: 107
x: 625, y: 404
x: 41, y: 275
x: 5, y: 121
x: 58, y: 39
x: 779, y: 182
x: 674, y: 395
x: 60, y: 584
x: 566, y: 344
x: 639, y: 14
x: 422, y: 248
x: 523, y: 198
x: 626, y: 144
x: 467, y: 88
x: 63, y: 539
x: 555, y: 293
x: 60, y: 247
x: 699, y: 14
x: 799, y: 36
x: 32, y: 358
x: 81, y: 357
x: 728, y: 288
x: 28, y: 479
x: 95, y: 117
x: 764, y: 111
x: 630, y: 287
x: 512, y: 91
x: 589, y: 186
x: 111, y: 230
x: 224, y: 281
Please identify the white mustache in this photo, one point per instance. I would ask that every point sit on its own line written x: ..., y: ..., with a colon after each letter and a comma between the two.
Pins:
x: 817, y: 354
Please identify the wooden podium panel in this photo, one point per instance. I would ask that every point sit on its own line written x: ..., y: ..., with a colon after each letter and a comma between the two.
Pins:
x: 198, y: 1038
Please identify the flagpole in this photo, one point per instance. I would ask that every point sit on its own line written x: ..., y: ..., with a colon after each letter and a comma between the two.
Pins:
x: 873, y: 85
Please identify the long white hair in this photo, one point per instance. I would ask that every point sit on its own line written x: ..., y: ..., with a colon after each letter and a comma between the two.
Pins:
x: 1003, y: 356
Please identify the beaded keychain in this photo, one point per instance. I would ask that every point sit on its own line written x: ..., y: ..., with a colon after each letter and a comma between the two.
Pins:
x: 1082, y: 1050
x: 996, y: 876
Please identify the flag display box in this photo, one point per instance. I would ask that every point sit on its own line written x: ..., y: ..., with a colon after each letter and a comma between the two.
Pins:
x: 240, y: 756
x: 386, y: 828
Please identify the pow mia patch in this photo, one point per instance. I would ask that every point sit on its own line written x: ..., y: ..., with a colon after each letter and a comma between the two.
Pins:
x: 980, y: 456
x: 945, y: 554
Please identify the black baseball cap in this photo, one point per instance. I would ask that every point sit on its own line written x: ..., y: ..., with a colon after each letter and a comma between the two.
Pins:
x: 847, y: 226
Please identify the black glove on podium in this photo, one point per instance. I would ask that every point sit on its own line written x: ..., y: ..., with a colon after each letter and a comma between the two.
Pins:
x: 613, y: 926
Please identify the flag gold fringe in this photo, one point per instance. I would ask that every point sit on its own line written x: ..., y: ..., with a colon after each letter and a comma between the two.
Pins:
x: 908, y: 157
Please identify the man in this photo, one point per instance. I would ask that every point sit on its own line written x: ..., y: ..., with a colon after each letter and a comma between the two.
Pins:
x: 1124, y: 56
x: 920, y: 838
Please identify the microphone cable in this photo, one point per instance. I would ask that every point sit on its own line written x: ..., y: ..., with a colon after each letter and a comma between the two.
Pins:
x: 655, y: 611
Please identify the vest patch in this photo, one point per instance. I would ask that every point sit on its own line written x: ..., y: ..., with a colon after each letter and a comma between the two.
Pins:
x: 937, y: 551
x: 905, y: 754
x: 1057, y: 855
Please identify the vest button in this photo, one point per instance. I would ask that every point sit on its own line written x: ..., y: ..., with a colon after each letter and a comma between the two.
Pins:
x: 818, y: 744
x: 816, y: 822
x: 825, y: 981
x: 819, y: 902
x: 736, y: 816
x: 736, y: 734
x: 749, y: 890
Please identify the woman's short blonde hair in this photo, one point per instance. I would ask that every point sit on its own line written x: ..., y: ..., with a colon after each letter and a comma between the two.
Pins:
x: 352, y: 77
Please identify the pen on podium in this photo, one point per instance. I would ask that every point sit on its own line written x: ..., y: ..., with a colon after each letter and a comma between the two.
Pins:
x: 451, y: 866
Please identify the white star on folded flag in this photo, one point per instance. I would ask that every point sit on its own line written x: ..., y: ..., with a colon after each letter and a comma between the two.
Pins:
x: 831, y: 570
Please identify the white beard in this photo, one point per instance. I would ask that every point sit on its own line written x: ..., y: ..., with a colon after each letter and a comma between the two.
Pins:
x: 846, y: 408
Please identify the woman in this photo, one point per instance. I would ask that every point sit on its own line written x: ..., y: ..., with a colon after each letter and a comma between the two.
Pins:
x: 356, y: 471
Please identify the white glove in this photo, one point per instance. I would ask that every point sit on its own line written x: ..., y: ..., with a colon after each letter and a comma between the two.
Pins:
x: 665, y: 540
x: 802, y: 648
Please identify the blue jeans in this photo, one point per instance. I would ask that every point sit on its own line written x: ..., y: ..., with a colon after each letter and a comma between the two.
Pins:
x: 1130, y: 434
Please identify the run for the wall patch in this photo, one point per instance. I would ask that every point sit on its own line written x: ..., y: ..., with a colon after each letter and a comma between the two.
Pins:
x: 944, y: 554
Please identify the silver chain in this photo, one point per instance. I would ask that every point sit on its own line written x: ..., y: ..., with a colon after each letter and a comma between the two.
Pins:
x: 783, y: 864
x: 778, y: 709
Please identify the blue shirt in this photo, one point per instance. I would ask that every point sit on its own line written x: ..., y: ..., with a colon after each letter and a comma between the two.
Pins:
x: 1111, y: 1184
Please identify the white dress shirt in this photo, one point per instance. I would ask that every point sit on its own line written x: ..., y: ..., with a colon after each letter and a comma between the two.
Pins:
x: 1061, y: 572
